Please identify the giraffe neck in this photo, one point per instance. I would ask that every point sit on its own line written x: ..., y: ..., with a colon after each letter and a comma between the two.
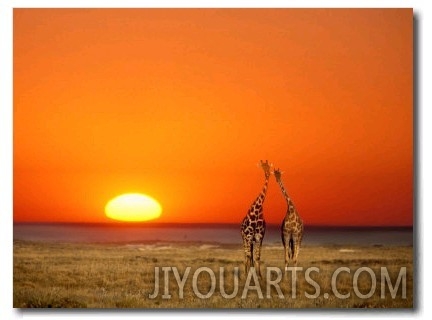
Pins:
x: 290, y: 204
x: 261, y: 197
x: 263, y: 193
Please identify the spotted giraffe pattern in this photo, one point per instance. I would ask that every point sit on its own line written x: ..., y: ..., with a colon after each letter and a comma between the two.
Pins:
x: 253, y: 226
x: 292, y: 226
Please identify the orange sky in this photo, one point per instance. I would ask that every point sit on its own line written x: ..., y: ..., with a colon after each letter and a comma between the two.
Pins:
x: 182, y: 104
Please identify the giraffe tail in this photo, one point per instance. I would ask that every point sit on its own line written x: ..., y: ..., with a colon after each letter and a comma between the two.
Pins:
x: 291, y: 246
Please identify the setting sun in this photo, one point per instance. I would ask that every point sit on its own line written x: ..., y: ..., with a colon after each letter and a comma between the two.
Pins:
x: 133, y: 207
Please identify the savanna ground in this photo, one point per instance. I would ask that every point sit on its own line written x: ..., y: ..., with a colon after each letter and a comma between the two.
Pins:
x: 76, y: 275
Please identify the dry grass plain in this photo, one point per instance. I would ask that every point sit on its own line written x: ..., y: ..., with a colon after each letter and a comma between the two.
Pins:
x: 76, y: 275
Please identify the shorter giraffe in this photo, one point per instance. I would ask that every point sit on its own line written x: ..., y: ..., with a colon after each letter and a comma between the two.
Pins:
x: 292, y: 225
x: 253, y: 226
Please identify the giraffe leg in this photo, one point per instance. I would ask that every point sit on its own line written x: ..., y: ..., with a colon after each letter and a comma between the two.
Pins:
x: 257, y: 256
x: 286, y: 256
x: 285, y: 242
x: 296, y: 247
x: 247, y: 246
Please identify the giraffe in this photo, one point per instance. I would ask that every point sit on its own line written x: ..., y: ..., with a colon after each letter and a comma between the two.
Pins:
x: 292, y: 225
x: 253, y: 226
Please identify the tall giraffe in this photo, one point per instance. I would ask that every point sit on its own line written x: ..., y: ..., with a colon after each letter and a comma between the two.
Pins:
x: 253, y: 226
x: 292, y: 225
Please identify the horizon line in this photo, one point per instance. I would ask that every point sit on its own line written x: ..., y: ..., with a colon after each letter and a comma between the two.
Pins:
x: 192, y: 224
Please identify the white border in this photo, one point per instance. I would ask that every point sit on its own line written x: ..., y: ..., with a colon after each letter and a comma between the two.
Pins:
x: 424, y: 16
x: 210, y: 3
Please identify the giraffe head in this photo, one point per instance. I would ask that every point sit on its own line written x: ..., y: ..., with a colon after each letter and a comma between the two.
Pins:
x: 278, y: 174
x: 267, y: 167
